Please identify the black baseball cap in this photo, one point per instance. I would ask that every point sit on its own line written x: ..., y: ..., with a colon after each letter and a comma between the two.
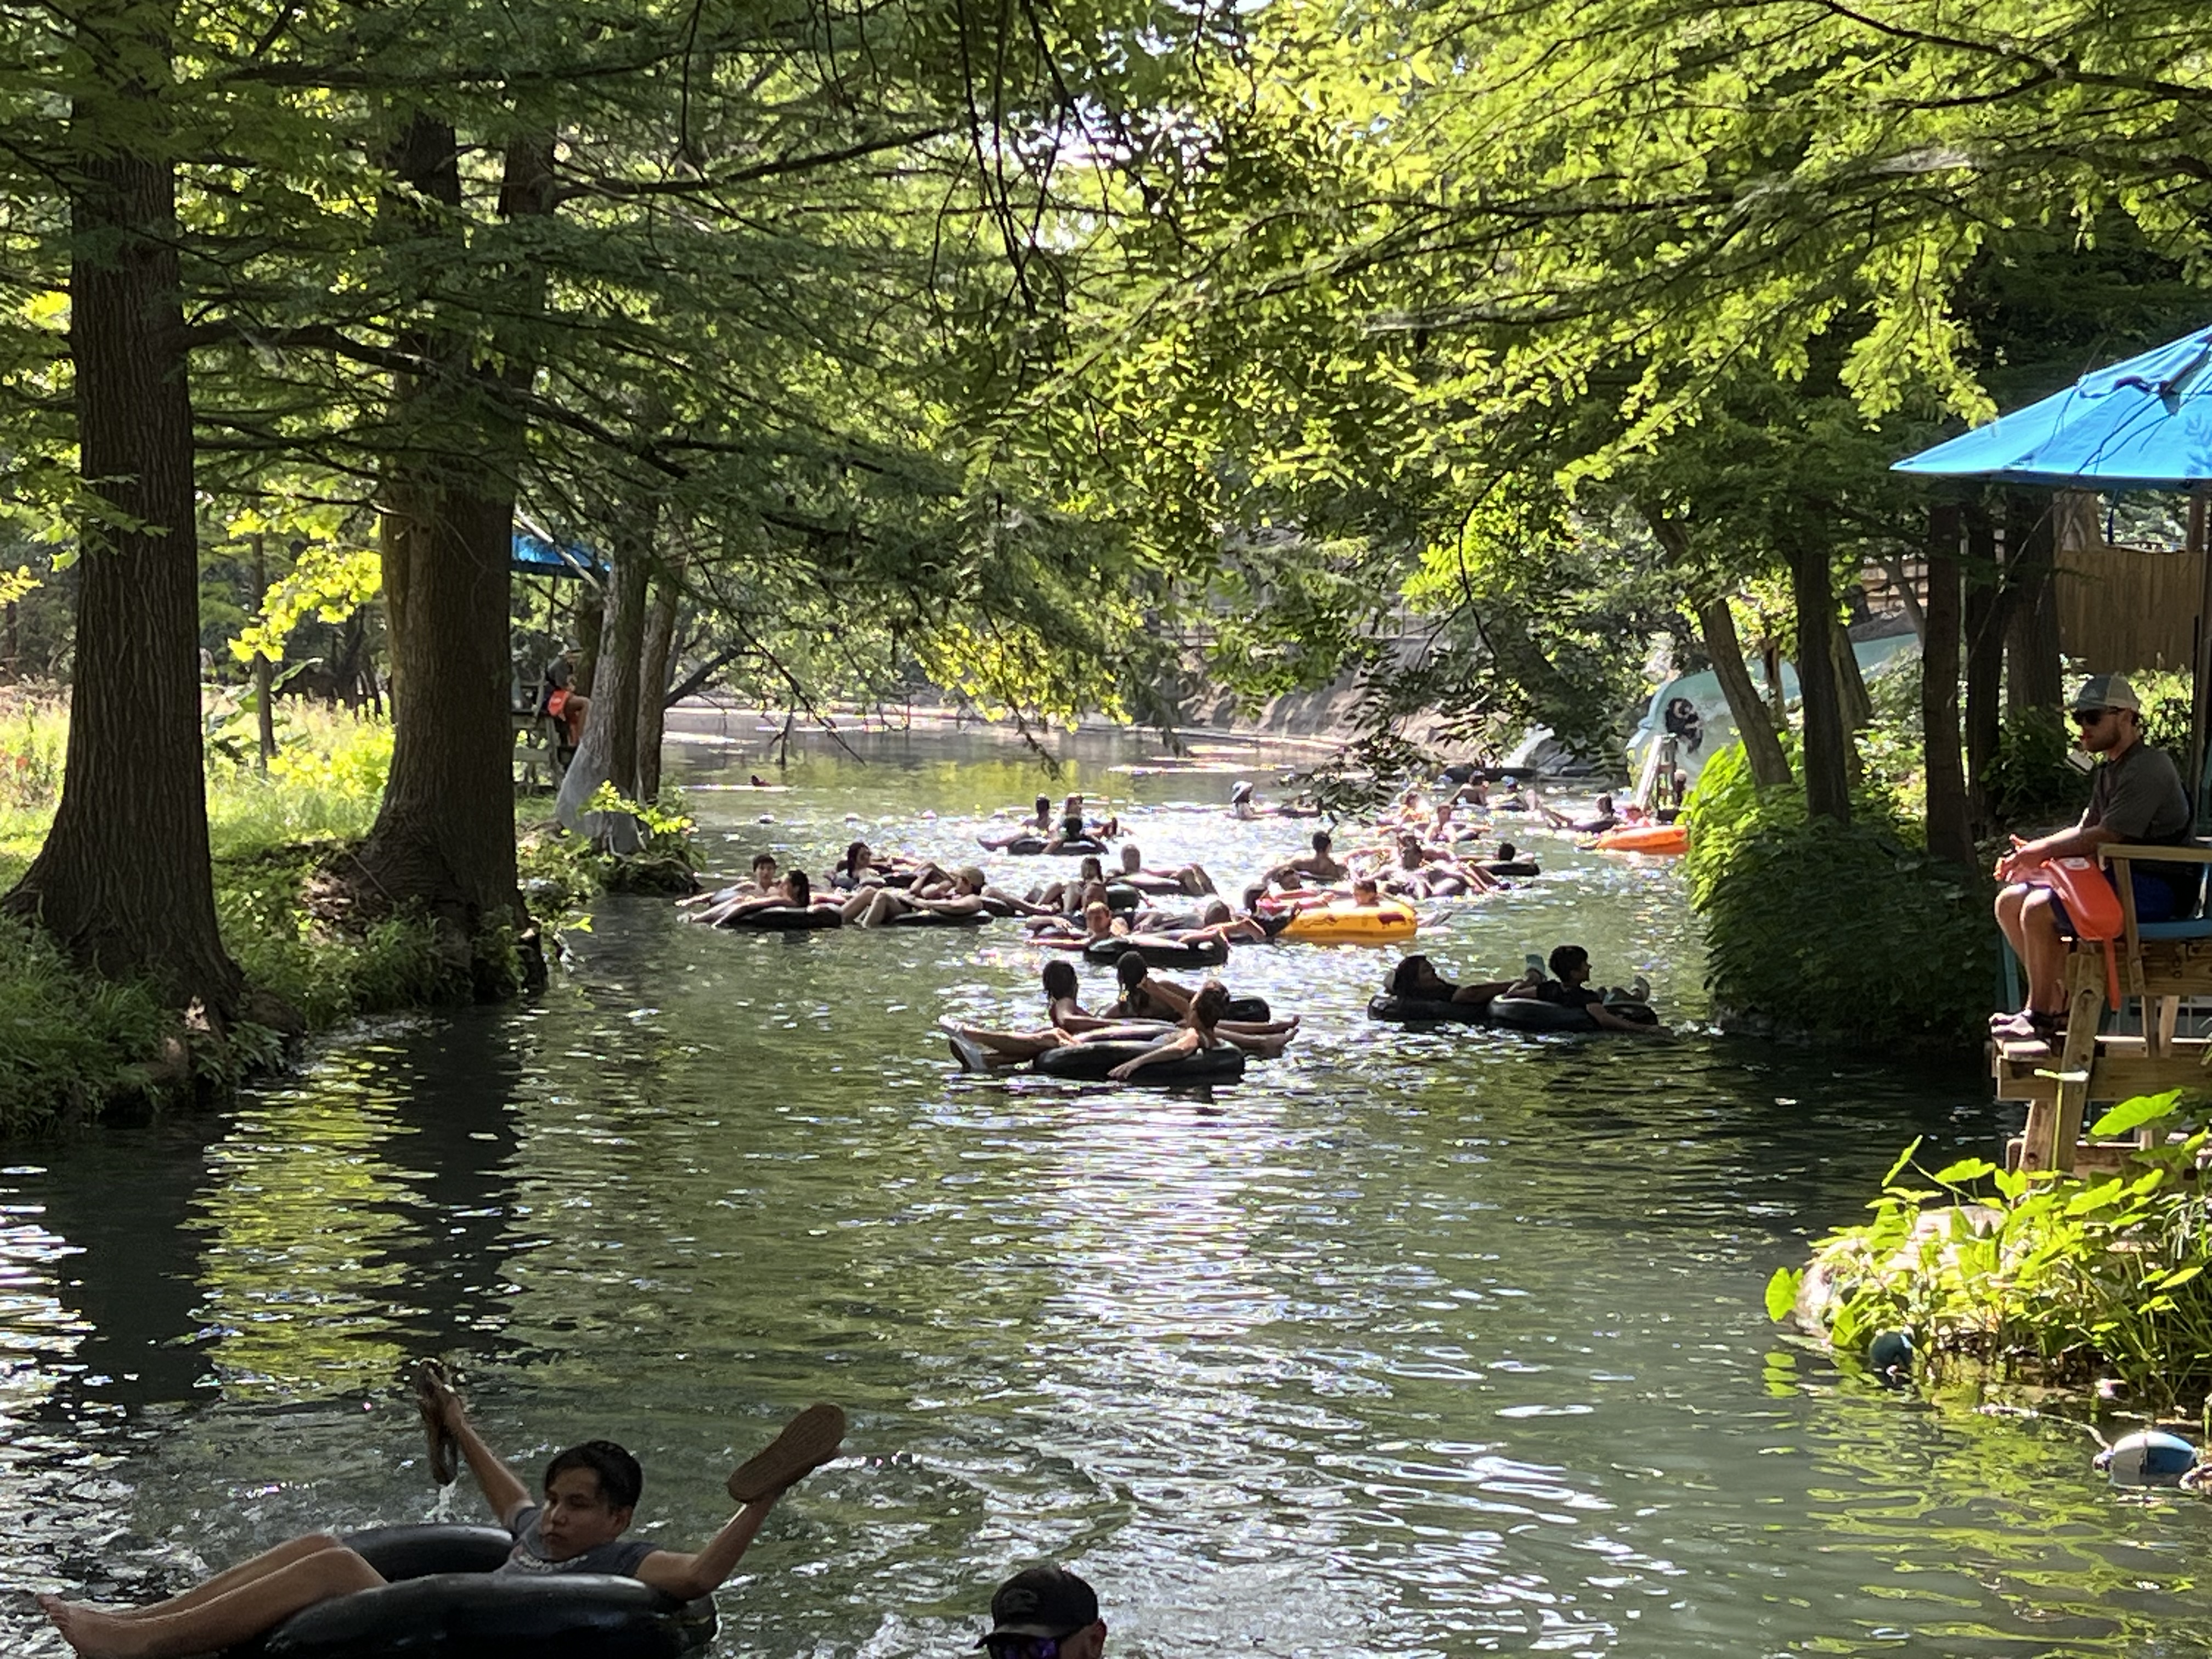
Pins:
x: 1042, y: 1601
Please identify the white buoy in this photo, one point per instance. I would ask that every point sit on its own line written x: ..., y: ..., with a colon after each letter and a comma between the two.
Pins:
x: 2149, y: 1457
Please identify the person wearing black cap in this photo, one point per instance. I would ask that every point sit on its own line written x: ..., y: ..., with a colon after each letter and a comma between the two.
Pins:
x: 1045, y: 1612
x: 2137, y: 797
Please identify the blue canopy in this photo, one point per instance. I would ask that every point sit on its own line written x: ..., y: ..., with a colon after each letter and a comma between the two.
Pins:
x: 2143, y: 424
x: 534, y: 556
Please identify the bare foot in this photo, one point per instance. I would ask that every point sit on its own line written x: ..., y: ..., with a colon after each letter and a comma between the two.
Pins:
x: 93, y: 1634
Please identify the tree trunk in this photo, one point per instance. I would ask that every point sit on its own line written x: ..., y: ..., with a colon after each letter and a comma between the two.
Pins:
x: 652, y: 682
x: 1950, y: 834
x: 1827, y: 766
x: 608, y: 751
x: 2034, y: 675
x: 444, y: 839
x: 1762, y: 747
x: 591, y: 628
x: 621, y: 691
x: 1851, y: 683
x: 1985, y: 636
x: 123, y: 879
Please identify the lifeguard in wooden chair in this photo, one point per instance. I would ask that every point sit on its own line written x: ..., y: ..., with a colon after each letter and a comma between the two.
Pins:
x: 2056, y: 890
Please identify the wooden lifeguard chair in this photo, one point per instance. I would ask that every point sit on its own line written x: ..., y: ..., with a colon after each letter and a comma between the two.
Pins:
x: 2156, y: 967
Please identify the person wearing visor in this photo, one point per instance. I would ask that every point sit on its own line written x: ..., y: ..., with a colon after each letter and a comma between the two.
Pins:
x: 2137, y: 797
x: 1045, y: 1612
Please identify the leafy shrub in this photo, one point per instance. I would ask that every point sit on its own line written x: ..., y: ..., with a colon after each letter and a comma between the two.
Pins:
x: 1833, y: 930
x: 2031, y: 780
x: 2050, y: 1277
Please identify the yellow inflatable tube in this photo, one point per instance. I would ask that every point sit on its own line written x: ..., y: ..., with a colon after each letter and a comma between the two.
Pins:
x: 1346, y: 924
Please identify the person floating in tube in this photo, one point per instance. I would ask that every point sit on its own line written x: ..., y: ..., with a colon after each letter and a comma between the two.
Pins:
x: 590, y: 1493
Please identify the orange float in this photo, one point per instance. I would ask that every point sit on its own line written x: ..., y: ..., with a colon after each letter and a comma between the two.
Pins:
x: 1662, y: 840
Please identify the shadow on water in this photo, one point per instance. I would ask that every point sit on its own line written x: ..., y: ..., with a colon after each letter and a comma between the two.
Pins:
x: 1410, y: 1344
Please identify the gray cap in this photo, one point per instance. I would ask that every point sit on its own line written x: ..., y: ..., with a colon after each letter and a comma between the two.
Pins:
x: 2107, y: 691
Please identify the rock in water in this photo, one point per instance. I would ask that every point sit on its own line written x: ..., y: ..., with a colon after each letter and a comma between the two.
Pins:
x: 2150, y: 1458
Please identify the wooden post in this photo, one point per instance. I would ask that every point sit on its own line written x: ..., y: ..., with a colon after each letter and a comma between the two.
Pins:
x: 265, y: 680
x: 2201, y: 698
x: 1950, y: 836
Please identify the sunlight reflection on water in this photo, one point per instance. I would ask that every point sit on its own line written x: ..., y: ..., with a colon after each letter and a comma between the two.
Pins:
x: 1410, y: 1344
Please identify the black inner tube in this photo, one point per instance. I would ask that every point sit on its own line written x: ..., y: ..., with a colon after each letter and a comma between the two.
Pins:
x: 1091, y: 1061
x: 786, y: 918
x: 1423, y: 1011
x: 445, y: 1602
x: 1159, y: 951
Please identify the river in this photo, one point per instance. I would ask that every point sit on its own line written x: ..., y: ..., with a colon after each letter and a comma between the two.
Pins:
x: 1409, y: 1345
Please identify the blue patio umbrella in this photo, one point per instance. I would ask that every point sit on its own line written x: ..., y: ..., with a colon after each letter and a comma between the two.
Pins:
x: 2143, y: 424
x: 535, y: 556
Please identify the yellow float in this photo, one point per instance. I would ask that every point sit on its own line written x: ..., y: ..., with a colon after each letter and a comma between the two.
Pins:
x: 1352, y: 924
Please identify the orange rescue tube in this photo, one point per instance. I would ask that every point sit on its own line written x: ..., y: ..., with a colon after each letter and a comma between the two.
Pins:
x: 1662, y: 839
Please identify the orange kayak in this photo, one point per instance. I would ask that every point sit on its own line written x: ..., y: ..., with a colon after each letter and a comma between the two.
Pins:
x: 1661, y: 838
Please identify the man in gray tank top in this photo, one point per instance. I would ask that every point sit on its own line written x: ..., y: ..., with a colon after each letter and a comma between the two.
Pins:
x: 2137, y: 797
x: 591, y: 1493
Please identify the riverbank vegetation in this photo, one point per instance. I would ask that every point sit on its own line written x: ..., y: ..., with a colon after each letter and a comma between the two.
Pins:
x: 79, y: 1041
x: 2035, y: 1280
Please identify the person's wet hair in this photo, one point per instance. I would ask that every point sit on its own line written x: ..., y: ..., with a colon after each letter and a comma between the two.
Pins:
x: 1211, y: 1006
x: 1568, y: 958
x: 1130, y: 969
x: 1215, y: 911
x: 1321, y: 841
x: 621, y: 1482
x: 1407, y: 976
x: 853, y: 855
x: 1091, y: 870
x: 1059, y: 980
x: 763, y: 861
x: 796, y: 884
x: 1505, y: 852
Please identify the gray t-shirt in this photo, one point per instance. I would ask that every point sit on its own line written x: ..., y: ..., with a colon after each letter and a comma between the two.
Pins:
x: 527, y: 1558
x: 2139, y: 798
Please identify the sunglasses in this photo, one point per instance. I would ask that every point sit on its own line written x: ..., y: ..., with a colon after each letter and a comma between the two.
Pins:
x: 1025, y: 1647
x: 2089, y: 716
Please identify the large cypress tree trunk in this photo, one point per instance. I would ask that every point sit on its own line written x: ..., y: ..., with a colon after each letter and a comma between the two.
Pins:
x: 652, y: 680
x: 123, y: 879
x: 1827, y: 765
x: 444, y: 838
x: 1950, y: 834
x: 608, y: 752
x: 1762, y: 747
x: 622, y: 694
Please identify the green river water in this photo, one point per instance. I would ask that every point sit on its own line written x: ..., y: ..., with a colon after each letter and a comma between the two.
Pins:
x: 1409, y: 1345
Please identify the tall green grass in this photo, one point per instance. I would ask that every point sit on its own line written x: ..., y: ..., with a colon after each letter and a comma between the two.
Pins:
x: 70, y: 1041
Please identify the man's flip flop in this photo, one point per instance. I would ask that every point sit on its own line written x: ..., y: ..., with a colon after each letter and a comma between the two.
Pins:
x: 445, y: 1455
x: 971, y: 1054
x: 808, y: 1441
